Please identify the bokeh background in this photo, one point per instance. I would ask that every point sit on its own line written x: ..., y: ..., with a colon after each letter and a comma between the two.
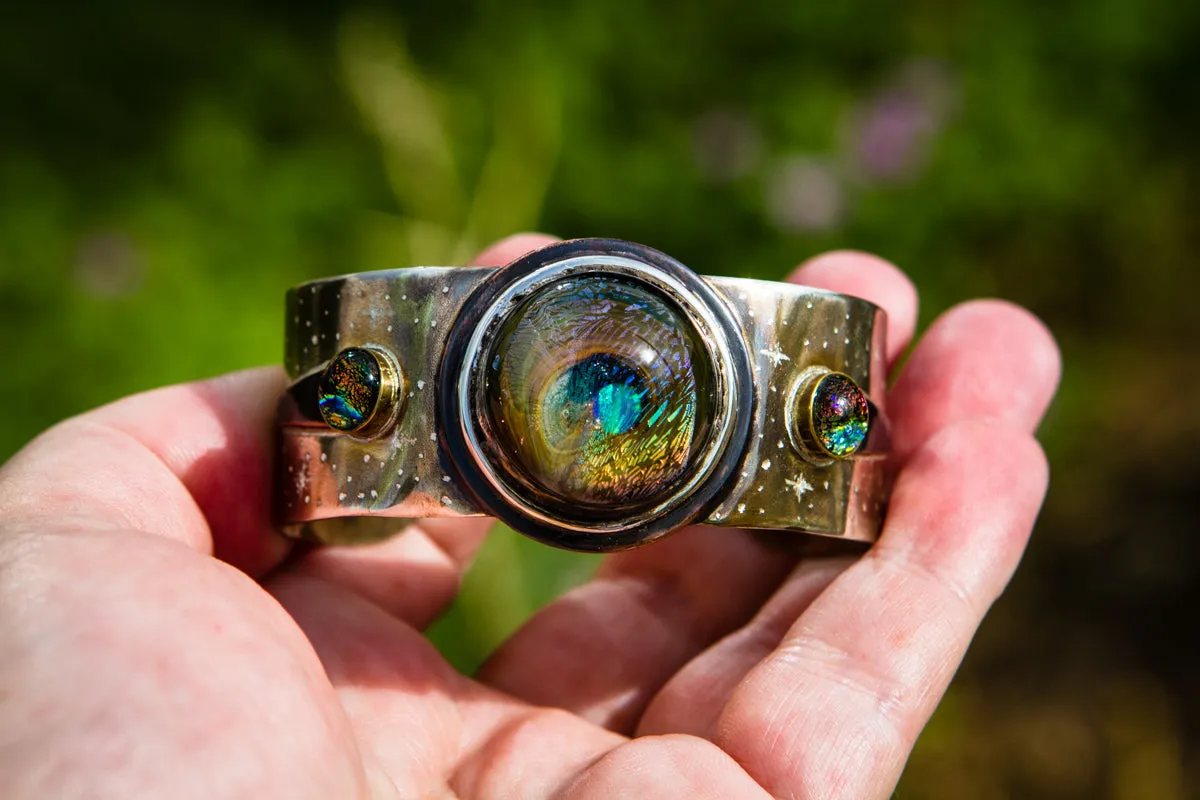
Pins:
x: 167, y: 170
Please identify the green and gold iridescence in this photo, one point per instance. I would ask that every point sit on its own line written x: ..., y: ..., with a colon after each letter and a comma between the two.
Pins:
x: 597, y: 396
x: 349, y: 390
x: 841, y: 415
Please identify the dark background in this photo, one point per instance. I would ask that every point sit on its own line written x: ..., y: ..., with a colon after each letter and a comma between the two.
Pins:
x: 167, y: 170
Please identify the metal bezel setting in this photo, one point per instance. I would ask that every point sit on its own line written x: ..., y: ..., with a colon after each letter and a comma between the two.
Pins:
x: 390, y: 401
x: 471, y: 337
x: 798, y: 419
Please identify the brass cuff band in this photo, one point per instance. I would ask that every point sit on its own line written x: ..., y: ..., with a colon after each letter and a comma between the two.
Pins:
x: 336, y: 486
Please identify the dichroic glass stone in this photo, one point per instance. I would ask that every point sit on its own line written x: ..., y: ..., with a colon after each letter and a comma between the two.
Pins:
x: 597, y: 392
x: 841, y: 415
x: 349, y: 389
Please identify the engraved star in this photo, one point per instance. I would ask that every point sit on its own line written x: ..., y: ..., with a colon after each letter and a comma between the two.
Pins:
x: 302, y: 480
x: 799, y: 485
x: 776, y: 356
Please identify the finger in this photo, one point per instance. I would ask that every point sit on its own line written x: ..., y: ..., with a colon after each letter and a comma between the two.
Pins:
x: 976, y: 344
x: 836, y: 708
x: 604, y: 648
x: 1013, y: 371
x: 666, y: 767
x: 416, y: 574
x: 413, y: 575
x: 433, y: 732
x: 693, y: 699
x: 190, y: 462
x: 511, y: 248
x: 871, y: 278
x: 512, y: 749
x: 393, y: 686
x: 649, y: 611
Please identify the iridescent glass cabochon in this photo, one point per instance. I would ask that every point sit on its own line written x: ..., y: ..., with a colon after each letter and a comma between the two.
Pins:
x: 597, y: 395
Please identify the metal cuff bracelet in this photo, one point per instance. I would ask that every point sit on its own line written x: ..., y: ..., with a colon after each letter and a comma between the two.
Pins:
x: 594, y: 395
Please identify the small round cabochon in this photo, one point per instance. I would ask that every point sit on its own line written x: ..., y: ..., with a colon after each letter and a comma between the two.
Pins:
x: 841, y: 415
x: 349, y: 390
x: 596, y: 394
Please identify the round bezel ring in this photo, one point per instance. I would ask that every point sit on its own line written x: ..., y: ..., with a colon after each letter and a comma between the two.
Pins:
x: 389, y: 401
x: 461, y: 382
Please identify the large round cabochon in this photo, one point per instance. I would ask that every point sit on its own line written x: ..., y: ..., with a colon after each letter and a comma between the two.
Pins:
x: 596, y: 395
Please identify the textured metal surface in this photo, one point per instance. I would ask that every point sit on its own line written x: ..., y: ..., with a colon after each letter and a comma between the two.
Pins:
x: 790, y: 329
x: 325, y: 474
x: 333, y: 487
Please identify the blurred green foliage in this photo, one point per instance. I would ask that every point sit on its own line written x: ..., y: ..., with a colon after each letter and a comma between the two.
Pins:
x: 167, y: 170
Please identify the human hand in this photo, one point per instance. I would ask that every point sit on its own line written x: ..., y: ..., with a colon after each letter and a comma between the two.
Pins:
x: 159, y: 639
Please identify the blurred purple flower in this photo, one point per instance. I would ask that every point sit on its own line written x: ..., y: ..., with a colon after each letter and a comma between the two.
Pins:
x: 890, y: 133
x: 804, y: 195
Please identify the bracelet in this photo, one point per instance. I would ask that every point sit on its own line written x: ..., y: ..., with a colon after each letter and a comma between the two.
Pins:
x: 594, y: 395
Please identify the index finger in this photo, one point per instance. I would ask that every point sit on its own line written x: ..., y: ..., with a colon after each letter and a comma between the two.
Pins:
x: 189, y: 462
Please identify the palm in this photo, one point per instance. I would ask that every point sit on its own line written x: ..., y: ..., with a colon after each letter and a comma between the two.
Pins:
x: 140, y: 665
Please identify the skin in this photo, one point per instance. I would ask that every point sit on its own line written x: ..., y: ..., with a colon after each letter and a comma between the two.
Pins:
x: 157, y: 640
